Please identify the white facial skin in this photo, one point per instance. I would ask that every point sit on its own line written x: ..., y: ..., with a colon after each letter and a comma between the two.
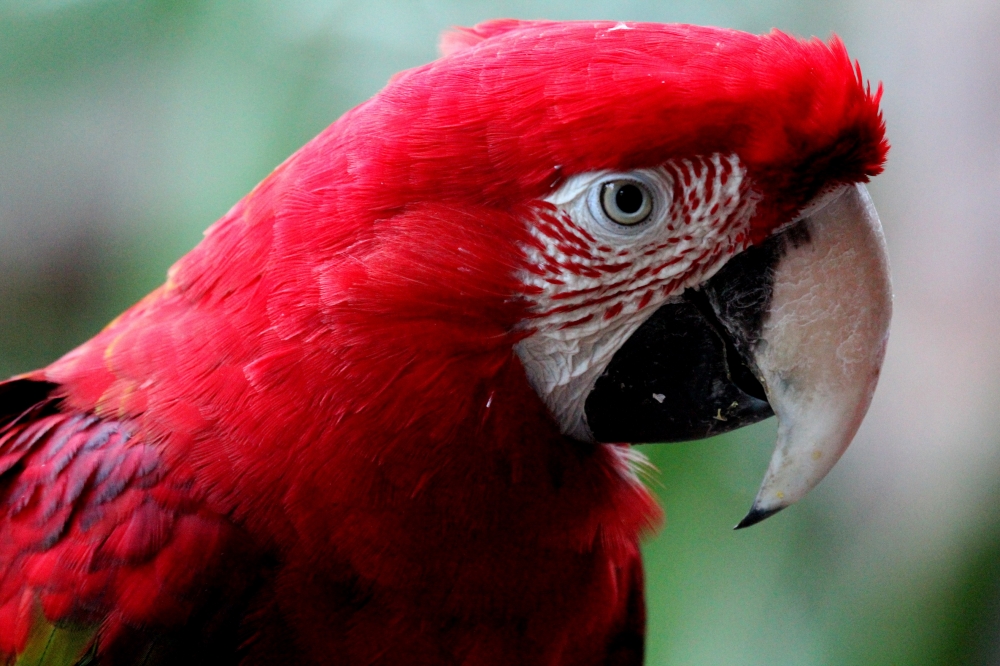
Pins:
x: 601, y: 280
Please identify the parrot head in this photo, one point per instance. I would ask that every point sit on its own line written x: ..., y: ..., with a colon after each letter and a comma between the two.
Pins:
x: 664, y: 226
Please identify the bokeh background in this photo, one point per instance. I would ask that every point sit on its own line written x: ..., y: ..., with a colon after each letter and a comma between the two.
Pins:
x: 127, y: 127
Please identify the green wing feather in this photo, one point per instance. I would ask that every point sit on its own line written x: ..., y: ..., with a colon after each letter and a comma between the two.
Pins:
x: 50, y: 645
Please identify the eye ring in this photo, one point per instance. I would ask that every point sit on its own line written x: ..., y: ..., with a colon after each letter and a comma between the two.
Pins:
x: 626, y: 201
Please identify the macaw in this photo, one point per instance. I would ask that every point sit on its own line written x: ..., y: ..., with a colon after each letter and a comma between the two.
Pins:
x: 382, y: 413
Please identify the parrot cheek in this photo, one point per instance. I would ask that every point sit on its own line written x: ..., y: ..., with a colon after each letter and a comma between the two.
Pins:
x: 795, y: 327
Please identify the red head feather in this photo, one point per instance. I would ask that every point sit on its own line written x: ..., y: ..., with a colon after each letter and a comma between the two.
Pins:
x: 514, y: 106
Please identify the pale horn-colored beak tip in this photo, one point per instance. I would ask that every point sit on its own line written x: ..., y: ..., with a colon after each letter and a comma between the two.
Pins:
x: 822, y: 343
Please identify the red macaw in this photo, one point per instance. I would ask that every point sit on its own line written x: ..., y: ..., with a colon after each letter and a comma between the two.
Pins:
x: 376, y: 416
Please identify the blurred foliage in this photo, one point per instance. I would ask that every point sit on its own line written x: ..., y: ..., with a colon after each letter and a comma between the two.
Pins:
x: 126, y: 128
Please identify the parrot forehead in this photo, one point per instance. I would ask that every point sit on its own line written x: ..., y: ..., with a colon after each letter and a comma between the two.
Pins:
x: 515, y: 108
x: 591, y: 289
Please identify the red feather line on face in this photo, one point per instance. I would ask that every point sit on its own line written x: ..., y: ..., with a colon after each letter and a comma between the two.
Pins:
x: 588, y: 298
x: 573, y: 278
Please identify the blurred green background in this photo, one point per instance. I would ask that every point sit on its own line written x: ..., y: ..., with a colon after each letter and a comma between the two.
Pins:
x: 126, y: 128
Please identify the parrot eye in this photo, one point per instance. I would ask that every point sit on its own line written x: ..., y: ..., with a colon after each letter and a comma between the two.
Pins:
x: 626, y: 202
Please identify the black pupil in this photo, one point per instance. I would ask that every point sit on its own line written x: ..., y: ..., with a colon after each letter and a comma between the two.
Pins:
x: 628, y: 198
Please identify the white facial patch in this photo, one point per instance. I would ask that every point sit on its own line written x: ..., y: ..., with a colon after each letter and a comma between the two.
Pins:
x: 594, y: 281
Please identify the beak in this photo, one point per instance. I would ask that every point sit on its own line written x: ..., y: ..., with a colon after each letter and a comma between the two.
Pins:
x: 796, y: 327
x: 824, y: 341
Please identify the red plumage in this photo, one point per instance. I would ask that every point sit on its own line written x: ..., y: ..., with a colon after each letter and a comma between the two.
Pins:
x: 315, y: 440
